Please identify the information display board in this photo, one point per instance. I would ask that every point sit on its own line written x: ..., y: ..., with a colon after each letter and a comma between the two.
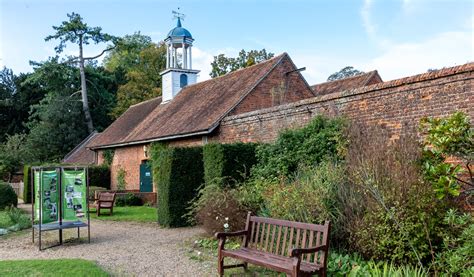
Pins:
x: 74, y: 194
x: 47, y: 188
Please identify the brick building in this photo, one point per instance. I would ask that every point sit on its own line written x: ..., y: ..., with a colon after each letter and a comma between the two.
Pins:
x: 255, y: 103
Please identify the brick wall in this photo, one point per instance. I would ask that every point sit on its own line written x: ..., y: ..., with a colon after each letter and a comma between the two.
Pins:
x: 277, y: 88
x: 129, y: 158
x: 397, y: 105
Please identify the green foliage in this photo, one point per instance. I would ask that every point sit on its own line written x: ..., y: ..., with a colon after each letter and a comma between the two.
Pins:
x: 143, y: 79
x: 99, y: 175
x: 12, y: 154
x: 26, y: 184
x: 126, y: 54
x: 346, y: 72
x: 128, y: 199
x: 228, y: 164
x: 445, y: 138
x: 312, y: 196
x: 121, y: 182
x: 455, y: 256
x: 178, y: 173
x: 7, y: 196
x: 223, y: 65
x: 108, y: 156
x: 322, y: 138
x: 217, y: 209
x: 19, y: 219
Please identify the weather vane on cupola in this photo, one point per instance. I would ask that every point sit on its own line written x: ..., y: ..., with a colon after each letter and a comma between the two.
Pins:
x: 179, y: 72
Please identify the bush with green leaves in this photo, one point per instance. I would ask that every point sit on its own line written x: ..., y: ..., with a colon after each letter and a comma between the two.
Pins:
x: 456, y: 254
x: 128, y: 199
x: 18, y: 217
x: 448, y: 137
x: 99, y: 176
x: 397, y: 217
x: 228, y: 164
x: 311, y: 196
x: 178, y: 173
x: 217, y: 209
x: 121, y: 182
x: 8, y: 196
x: 321, y: 139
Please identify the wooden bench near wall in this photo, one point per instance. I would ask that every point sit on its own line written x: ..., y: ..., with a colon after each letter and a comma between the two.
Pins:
x: 294, y: 248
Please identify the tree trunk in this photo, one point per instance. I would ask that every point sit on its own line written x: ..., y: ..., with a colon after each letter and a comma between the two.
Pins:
x: 85, y: 102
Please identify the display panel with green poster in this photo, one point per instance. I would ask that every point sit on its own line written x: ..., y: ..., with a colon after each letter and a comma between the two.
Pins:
x: 74, y: 191
x: 46, y: 186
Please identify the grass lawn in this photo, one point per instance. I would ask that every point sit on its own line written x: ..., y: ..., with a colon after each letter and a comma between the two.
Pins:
x: 61, y: 267
x: 137, y: 214
x: 5, y: 220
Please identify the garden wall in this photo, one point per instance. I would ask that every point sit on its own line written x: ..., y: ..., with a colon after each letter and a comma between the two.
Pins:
x: 397, y: 105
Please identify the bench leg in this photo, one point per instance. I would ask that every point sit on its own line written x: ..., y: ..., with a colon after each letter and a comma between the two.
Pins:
x: 245, y: 266
x: 220, y: 265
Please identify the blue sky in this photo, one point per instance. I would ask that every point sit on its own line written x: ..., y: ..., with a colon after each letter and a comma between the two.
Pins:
x: 398, y: 38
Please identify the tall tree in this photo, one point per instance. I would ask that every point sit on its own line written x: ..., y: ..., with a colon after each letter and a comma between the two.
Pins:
x: 223, y: 65
x: 78, y: 32
x: 143, y: 79
x: 346, y: 72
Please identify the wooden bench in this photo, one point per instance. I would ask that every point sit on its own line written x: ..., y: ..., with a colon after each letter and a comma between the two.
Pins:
x: 294, y: 248
x: 105, y: 200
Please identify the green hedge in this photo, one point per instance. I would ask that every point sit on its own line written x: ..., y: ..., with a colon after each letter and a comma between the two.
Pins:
x: 178, y: 173
x: 99, y: 176
x: 228, y: 164
x: 27, y: 184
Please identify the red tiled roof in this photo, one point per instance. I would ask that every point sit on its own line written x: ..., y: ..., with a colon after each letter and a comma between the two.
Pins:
x: 197, y: 109
x: 358, y: 81
x: 80, y: 154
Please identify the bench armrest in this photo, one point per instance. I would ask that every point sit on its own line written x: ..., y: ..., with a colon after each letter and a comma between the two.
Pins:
x: 221, y: 235
x: 297, y: 252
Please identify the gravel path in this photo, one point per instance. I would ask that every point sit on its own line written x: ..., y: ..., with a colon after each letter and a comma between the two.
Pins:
x: 121, y: 248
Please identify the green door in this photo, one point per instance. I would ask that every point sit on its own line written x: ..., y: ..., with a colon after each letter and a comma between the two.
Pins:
x: 146, y: 180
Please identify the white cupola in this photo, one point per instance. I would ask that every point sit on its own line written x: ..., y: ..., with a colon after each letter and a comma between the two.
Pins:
x: 178, y: 72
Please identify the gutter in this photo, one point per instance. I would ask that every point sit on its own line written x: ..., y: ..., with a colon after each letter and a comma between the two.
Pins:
x: 206, y: 132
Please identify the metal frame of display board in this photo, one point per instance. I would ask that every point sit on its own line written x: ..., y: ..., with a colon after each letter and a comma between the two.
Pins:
x: 60, y: 225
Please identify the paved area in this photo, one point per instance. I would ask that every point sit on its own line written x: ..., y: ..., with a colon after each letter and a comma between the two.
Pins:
x: 121, y: 248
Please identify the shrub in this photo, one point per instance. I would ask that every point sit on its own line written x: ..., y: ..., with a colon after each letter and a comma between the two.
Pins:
x: 218, y: 210
x: 8, y: 196
x: 311, y: 196
x: 455, y: 255
x: 228, y: 164
x: 400, y: 218
x: 128, y: 199
x: 27, y: 184
x: 178, y: 173
x: 322, y: 138
x: 20, y: 220
x: 108, y: 156
x: 99, y: 176
x: 121, y: 183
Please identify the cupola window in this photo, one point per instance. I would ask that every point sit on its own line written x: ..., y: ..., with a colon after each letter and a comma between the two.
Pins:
x: 183, y: 80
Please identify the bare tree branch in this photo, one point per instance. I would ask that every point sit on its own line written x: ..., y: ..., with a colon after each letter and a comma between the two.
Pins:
x: 102, y: 53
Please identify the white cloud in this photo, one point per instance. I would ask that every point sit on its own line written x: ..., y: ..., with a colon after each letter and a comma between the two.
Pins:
x: 405, y: 59
x: 366, y: 18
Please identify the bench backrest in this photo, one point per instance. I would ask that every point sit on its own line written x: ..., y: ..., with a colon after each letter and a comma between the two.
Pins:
x: 279, y: 237
x: 107, y: 196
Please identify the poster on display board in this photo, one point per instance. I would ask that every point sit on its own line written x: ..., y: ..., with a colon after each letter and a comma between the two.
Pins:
x: 74, y: 191
x: 47, y: 195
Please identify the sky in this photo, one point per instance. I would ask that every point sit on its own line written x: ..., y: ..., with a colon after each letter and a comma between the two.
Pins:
x: 398, y: 38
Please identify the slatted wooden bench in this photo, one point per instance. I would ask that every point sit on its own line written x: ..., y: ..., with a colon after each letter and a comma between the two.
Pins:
x: 104, y: 201
x: 294, y: 248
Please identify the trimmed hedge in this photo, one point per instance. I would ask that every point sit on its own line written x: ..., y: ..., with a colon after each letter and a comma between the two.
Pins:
x: 8, y: 196
x: 228, y: 164
x: 178, y: 173
x: 99, y: 176
x: 26, y: 184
